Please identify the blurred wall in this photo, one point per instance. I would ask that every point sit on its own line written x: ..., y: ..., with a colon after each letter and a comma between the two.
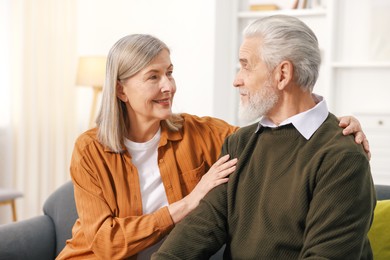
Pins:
x: 187, y: 27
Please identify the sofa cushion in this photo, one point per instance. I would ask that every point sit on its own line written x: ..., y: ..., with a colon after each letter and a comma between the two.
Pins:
x: 380, y: 230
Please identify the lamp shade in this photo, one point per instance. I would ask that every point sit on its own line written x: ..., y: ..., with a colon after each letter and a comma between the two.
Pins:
x: 91, y: 71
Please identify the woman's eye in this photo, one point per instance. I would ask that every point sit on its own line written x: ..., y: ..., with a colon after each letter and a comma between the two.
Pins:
x: 153, y: 77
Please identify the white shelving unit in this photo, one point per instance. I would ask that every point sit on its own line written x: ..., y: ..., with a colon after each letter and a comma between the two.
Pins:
x: 355, y: 70
x: 363, y: 65
x: 296, y: 12
x: 360, y: 70
x: 377, y: 128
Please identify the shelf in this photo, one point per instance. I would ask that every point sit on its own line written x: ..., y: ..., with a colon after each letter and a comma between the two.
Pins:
x: 348, y: 65
x: 361, y: 65
x: 292, y: 12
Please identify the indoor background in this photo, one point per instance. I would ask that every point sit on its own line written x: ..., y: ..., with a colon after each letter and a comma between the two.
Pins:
x: 43, y: 108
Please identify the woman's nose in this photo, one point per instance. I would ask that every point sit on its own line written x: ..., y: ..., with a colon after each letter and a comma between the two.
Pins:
x: 167, y: 85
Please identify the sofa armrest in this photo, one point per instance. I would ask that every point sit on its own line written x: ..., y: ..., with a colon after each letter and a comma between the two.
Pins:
x: 28, y: 239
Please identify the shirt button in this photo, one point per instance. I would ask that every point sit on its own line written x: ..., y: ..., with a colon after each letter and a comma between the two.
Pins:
x: 161, y: 160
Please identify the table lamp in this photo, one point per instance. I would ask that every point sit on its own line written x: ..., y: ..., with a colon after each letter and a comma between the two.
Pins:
x: 91, y: 72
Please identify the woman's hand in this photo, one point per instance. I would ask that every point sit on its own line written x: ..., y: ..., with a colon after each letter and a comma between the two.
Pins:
x: 217, y: 175
x: 352, y: 126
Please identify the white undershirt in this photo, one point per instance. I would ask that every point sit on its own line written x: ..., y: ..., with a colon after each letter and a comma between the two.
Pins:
x: 144, y: 157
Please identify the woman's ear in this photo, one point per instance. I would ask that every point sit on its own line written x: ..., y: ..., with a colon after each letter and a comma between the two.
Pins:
x: 284, y: 74
x: 120, y: 93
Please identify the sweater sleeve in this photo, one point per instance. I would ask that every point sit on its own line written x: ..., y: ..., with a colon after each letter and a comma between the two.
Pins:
x: 203, y: 232
x: 110, y: 236
x: 341, y: 210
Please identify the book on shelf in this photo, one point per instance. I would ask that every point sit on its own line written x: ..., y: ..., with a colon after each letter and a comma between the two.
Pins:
x: 270, y: 5
x: 300, y: 4
x: 263, y: 7
x: 309, y: 4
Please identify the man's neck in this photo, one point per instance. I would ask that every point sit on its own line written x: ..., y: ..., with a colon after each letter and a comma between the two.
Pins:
x: 290, y: 104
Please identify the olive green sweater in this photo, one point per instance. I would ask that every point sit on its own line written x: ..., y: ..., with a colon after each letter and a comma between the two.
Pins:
x: 289, y: 198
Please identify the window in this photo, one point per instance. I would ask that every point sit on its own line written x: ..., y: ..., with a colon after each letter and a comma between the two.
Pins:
x: 4, y: 65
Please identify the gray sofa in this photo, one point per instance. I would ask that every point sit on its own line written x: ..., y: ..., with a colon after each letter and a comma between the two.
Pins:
x: 43, y: 237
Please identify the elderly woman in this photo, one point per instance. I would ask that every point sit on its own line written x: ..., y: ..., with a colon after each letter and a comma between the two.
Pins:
x: 143, y: 168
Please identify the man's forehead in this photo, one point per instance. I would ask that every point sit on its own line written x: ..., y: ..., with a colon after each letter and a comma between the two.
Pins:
x: 249, y: 49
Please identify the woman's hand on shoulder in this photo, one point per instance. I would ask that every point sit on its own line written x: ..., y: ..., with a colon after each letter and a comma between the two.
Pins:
x: 352, y: 126
x: 217, y: 175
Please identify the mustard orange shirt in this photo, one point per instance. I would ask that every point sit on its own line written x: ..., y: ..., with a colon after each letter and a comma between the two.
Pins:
x: 107, y: 192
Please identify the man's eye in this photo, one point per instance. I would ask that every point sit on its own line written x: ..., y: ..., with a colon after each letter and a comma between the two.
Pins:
x: 169, y: 73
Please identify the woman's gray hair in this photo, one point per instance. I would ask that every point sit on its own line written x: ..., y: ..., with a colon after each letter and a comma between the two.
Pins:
x: 126, y: 58
x: 287, y: 38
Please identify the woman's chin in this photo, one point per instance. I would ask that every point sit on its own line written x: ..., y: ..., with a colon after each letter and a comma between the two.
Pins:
x: 165, y: 115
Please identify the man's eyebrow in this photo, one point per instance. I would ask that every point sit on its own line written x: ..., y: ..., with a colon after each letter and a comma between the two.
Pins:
x: 243, y: 60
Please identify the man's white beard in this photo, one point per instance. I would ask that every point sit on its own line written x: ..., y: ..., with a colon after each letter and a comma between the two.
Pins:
x: 259, y: 104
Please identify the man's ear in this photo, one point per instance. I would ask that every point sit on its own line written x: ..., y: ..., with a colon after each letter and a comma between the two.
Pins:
x: 284, y: 74
x: 120, y: 93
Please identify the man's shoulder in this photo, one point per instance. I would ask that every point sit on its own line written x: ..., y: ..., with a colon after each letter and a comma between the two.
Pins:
x: 329, y: 138
x: 330, y: 131
x: 241, y: 137
x: 246, y: 130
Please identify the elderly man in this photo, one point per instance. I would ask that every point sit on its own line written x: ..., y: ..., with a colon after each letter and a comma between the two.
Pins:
x: 301, y: 189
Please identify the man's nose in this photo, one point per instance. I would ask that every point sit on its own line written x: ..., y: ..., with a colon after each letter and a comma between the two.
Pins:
x: 238, y: 81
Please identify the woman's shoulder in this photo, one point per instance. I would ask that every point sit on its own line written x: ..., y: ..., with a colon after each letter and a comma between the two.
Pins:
x: 205, y: 121
x: 87, y: 138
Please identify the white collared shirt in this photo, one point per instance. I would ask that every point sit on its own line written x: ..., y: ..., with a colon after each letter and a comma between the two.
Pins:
x: 306, y: 122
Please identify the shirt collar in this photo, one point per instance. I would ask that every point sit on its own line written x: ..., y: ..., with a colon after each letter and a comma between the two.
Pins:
x: 167, y: 134
x: 306, y: 122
